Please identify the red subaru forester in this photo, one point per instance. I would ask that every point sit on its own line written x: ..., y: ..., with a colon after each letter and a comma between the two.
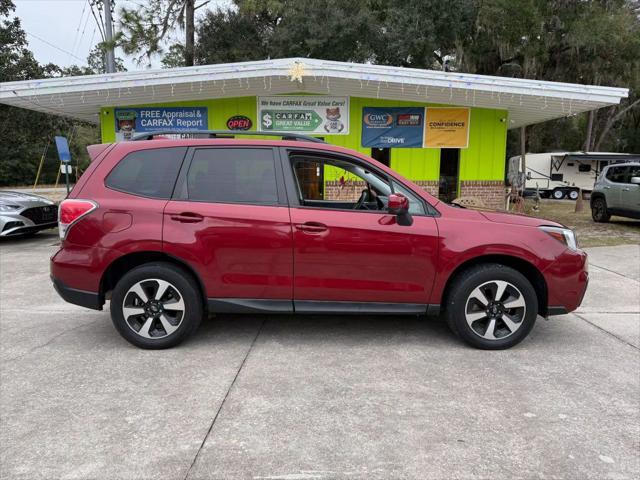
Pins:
x: 169, y: 230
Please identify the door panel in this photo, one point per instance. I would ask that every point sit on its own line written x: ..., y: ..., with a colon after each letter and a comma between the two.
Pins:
x: 613, y: 186
x: 239, y: 251
x: 362, y: 256
x: 630, y: 192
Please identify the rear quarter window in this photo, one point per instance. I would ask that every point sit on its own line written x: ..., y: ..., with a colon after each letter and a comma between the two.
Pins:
x: 147, y: 173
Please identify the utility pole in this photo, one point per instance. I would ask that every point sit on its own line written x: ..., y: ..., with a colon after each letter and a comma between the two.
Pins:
x: 189, y: 30
x: 108, y: 32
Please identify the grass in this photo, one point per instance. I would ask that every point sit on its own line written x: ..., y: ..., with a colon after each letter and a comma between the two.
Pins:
x: 618, y: 231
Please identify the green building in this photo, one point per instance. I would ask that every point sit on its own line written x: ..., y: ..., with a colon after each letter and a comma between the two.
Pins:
x: 445, y: 131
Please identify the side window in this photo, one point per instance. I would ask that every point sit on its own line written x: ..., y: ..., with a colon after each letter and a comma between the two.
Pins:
x: 336, y: 183
x: 634, y: 171
x: 232, y: 175
x: 617, y: 174
x: 147, y: 173
x: 416, y: 207
x: 345, y: 185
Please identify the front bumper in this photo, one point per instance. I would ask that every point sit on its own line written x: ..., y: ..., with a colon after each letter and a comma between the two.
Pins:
x: 28, y: 220
x: 78, y: 297
x: 567, y: 280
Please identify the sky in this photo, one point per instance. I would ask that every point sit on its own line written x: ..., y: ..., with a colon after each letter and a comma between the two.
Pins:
x: 64, y: 31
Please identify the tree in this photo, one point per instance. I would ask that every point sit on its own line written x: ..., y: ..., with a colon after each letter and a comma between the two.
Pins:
x: 143, y: 30
x: 24, y: 134
x: 592, y: 42
x: 226, y: 36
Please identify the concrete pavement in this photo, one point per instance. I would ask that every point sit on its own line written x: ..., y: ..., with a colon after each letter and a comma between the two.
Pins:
x: 317, y: 397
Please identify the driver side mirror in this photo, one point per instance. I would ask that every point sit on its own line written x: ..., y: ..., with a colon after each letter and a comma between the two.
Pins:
x: 398, y: 205
x: 635, y: 180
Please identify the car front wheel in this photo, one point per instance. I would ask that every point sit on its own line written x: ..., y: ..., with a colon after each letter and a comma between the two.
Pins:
x: 491, y: 306
x: 156, y: 305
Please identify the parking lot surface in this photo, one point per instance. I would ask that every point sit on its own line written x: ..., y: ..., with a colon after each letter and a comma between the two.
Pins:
x: 297, y: 398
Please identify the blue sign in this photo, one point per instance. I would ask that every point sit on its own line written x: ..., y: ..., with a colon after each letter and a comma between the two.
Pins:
x: 130, y: 121
x: 63, y: 149
x: 395, y: 127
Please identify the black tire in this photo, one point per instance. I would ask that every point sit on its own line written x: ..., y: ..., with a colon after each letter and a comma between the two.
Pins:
x: 558, y: 194
x: 599, y: 210
x: 182, y: 287
x: 574, y: 194
x: 458, y: 299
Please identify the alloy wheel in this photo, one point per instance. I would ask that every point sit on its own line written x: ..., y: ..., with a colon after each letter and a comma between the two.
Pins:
x: 153, y: 308
x: 495, y: 310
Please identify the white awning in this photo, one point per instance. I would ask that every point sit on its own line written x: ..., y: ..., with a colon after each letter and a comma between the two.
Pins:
x: 527, y: 101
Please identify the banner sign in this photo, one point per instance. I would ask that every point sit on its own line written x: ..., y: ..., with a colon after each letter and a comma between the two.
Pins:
x: 311, y: 114
x: 446, y: 128
x: 384, y: 127
x: 63, y: 149
x: 130, y: 121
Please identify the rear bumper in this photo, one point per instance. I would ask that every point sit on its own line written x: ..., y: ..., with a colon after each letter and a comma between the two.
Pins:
x: 82, y: 298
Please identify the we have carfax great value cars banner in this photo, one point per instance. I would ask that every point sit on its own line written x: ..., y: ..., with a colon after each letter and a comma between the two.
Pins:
x: 309, y: 114
x: 415, y: 127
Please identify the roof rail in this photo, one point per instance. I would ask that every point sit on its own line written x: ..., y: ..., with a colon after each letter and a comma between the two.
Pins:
x: 228, y: 134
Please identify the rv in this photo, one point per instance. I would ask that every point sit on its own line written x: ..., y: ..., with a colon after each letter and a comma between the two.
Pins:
x: 561, y: 175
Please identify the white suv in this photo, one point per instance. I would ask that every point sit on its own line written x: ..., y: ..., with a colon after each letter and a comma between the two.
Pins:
x: 617, y: 192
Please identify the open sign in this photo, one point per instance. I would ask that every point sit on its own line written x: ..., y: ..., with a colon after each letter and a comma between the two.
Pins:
x: 239, y: 122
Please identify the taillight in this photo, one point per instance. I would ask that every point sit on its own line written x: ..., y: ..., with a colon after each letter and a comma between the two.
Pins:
x: 72, y: 210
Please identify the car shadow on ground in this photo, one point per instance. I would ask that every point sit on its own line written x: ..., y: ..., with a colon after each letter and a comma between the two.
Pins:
x: 351, y: 330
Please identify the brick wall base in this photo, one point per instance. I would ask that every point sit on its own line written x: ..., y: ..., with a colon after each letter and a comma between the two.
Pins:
x: 349, y: 192
x: 491, y: 192
x: 429, y: 186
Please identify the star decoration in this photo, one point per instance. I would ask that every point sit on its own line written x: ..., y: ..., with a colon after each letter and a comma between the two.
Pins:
x: 297, y: 71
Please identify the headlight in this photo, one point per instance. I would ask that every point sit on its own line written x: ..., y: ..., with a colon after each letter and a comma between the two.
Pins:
x: 563, y: 235
x: 8, y: 208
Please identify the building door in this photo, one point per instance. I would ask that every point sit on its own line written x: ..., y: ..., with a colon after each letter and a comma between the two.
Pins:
x: 310, y: 176
x: 449, y: 174
x: 383, y: 155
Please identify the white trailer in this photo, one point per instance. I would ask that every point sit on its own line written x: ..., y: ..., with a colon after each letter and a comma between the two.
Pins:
x: 562, y: 174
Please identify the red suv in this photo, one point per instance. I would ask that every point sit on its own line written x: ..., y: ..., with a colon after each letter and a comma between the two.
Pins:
x: 169, y: 230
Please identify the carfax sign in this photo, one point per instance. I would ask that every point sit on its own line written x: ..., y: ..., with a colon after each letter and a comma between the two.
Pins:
x: 130, y: 121
x: 311, y: 114
x: 385, y: 127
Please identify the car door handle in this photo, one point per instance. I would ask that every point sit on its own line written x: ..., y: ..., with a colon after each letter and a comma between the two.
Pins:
x: 311, y: 227
x: 607, y: 188
x: 625, y: 189
x: 187, y: 217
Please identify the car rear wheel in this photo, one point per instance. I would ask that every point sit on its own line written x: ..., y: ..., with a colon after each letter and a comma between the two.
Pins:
x: 599, y: 211
x: 491, y: 307
x: 156, y: 306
